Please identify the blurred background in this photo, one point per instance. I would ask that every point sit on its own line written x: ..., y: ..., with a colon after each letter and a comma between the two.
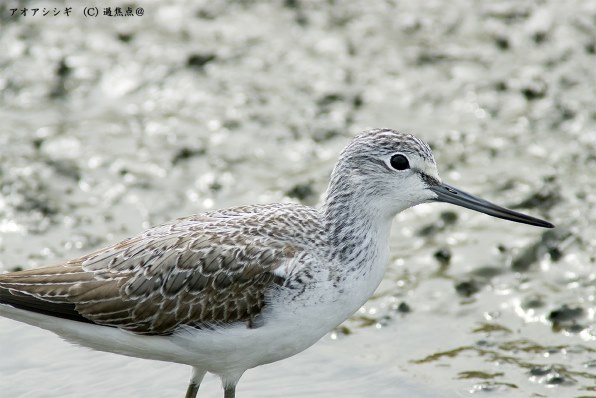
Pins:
x: 112, y: 124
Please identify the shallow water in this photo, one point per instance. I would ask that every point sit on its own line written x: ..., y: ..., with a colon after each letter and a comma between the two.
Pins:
x: 110, y: 126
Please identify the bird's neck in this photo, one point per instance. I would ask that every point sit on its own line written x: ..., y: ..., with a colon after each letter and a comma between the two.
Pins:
x: 357, y: 231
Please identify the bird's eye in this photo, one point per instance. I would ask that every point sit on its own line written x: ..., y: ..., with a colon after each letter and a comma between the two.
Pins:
x: 399, y: 162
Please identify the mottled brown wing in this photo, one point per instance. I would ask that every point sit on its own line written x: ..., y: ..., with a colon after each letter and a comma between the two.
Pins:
x: 191, y: 272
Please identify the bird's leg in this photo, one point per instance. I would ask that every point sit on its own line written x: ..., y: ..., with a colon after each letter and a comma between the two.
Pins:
x: 191, y: 391
x: 229, y: 381
x: 230, y: 391
x: 195, y: 382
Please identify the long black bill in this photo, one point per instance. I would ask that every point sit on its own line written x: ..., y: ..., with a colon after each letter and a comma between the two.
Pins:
x: 447, y: 193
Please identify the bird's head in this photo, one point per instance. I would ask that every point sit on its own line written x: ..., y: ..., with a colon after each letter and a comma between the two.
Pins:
x: 390, y: 171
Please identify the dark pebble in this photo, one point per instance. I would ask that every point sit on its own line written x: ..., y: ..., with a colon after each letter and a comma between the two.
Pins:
x: 187, y: 153
x: 565, y: 314
x: 534, y: 90
x: 539, y: 37
x: 532, y: 302
x: 329, y: 99
x: 429, y: 229
x: 443, y: 255
x: 357, y: 101
x: 63, y: 71
x: 556, y: 380
x: 502, y: 42
x: 467, y: 288
x: 37, y: 142
x: 125, y: 37
x: 555, y: 253
x: 404, y: 308
x: 574, y: 328
x: 500, y: 85
x: 524, y: 261
x: 301, y: 191
x: 215, y: 186
x: 550, y: 242
x: 427, y: 57
x: 540, y: 370
x: 199, y: 60
x: 487, y: 272
x: 448, y: 217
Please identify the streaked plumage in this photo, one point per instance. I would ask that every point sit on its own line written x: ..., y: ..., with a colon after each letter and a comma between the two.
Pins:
x: 229, y: 290
x: 198, y: 271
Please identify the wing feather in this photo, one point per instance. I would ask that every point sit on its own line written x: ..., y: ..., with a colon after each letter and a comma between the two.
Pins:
x: 202, y: 270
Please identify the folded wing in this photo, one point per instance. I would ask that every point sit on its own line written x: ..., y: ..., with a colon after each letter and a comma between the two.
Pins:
x: 195, y: 271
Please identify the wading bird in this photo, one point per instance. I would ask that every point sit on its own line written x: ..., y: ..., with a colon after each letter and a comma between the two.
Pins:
x: 229, y: 290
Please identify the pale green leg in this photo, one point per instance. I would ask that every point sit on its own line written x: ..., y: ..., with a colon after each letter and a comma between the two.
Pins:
x: 195, y: 382
x: 230, y: 391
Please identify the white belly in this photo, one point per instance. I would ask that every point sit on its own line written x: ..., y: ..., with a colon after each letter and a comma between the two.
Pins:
x: 289, y: 327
